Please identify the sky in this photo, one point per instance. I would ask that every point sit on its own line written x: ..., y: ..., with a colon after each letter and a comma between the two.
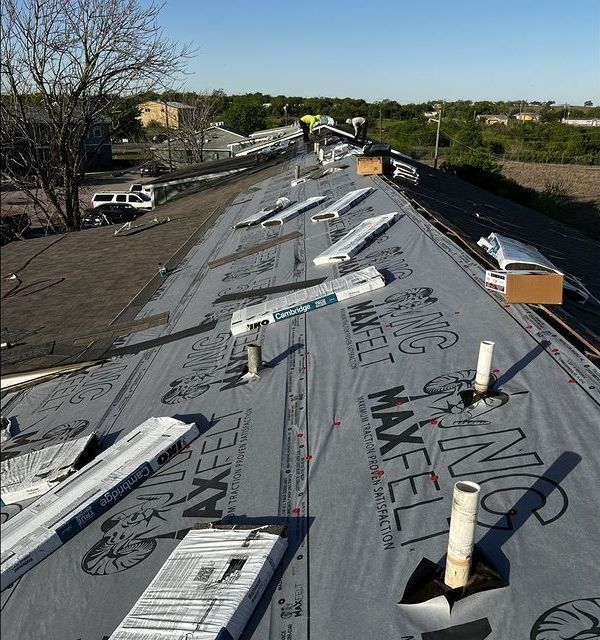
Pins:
x: 404, y: 50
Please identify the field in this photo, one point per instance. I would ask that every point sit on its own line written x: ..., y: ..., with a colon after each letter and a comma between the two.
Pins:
x: 581, y: 183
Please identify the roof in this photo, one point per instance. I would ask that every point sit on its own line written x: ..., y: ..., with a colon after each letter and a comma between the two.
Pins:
x: 473, y: 213
x: 40, y: 115
x: 170, y: 103
x: 353, y: 436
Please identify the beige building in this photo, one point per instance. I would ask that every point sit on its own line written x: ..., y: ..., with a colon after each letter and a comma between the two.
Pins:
x: 493, y: 119
x: 527, y: 116
x: 166, y: 114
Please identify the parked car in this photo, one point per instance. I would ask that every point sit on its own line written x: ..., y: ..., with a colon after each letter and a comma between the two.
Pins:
x: 140, y: 200
x: 153, y: 169
x: 109, y: 214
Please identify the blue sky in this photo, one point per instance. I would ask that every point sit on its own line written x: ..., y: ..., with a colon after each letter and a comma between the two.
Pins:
x: 410, y: 51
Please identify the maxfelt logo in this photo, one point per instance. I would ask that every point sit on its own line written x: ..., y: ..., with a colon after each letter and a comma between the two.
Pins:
x: 572, y: 620
x: 418, y: 443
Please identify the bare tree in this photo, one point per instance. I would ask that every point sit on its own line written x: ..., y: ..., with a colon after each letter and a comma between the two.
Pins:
x: 193, y: 126
x: 63, y: 63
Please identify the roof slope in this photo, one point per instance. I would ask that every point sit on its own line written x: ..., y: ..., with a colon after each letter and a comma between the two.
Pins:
x: 474, y: 213
x: 354, y: 437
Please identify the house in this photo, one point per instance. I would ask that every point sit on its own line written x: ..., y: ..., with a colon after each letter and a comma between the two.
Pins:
x: 581, y: 122
x: 526, y: 116
x: 97, y: 147
x: 353, y: 437
x: 167, y: 114
x: 217, y: 145
x: 493, y: 119
x: 219, y: 140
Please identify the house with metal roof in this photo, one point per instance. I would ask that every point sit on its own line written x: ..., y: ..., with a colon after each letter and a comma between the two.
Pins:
x: 353, y: 434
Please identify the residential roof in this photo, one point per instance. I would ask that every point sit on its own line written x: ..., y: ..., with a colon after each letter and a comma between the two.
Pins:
x: 474, y: 213
x: 353, y: 437
x: 170, y: 103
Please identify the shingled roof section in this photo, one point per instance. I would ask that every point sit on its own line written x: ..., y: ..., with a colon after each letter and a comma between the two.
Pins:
x: 353, y: 437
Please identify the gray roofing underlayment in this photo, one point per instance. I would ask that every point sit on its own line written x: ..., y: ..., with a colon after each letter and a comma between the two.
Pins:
x: 353, y: 436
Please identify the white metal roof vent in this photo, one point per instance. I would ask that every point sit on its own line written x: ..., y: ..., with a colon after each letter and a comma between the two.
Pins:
x: 356, y: 239
x: 292, y: 212
x: 342, y: 205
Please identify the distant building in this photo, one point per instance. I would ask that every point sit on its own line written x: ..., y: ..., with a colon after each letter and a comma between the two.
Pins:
x: 97, y: 147
x: 218, y: 142
x: 166, y: 114
x: 527, y: 116
x: 493, y: 119
x: 582, y: 122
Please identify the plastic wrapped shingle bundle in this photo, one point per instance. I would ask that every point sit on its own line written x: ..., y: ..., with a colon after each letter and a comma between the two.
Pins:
x: 34, y: 473
x: 208, y: 587
x: 60, y: 514
x: 305, y: 300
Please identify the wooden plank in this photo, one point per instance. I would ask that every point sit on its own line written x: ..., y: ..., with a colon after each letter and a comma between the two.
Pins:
x: 257, y: 248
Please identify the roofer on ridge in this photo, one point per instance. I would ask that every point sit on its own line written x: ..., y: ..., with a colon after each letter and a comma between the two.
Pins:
x: 307, y: 124
x: 360, y: 125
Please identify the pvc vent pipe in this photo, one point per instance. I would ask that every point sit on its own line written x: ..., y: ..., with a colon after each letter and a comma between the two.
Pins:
x: 321, y: 154
x: 254, y: 358
x: 461, y: 539
x: 297, y: 172
x: 484, y: 365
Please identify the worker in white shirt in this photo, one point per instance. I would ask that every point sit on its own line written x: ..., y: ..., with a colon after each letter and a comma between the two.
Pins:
x: 360, y: 128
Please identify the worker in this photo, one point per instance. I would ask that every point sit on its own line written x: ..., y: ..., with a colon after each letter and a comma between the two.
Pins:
x: 307, y: 124
x: 360, y: 128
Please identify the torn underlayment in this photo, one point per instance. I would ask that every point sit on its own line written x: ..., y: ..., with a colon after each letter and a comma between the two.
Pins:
x: 356, y: 239
x: 208, y: 587
x: 65, y: 510
x: 345, y: 203
x: 293, y: 211
x: 35, y: 473
x: 305, y: 300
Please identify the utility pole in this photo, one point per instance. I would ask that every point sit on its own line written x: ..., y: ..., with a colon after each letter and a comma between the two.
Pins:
x: 380, y: 127
x: 168, y: 135
x: 440, y: 109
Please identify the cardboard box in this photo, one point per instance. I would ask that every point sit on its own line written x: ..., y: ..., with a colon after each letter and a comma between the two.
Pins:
x: 369, y: 165
x: 533, y: 287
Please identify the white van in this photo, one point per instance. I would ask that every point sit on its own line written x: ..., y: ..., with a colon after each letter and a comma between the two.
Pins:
x: 139, y: 199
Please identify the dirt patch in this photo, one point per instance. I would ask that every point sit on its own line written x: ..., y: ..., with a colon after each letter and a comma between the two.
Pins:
x: 580, y: 182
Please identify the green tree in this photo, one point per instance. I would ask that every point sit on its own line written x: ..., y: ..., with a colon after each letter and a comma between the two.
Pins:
x: 245, y: 114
